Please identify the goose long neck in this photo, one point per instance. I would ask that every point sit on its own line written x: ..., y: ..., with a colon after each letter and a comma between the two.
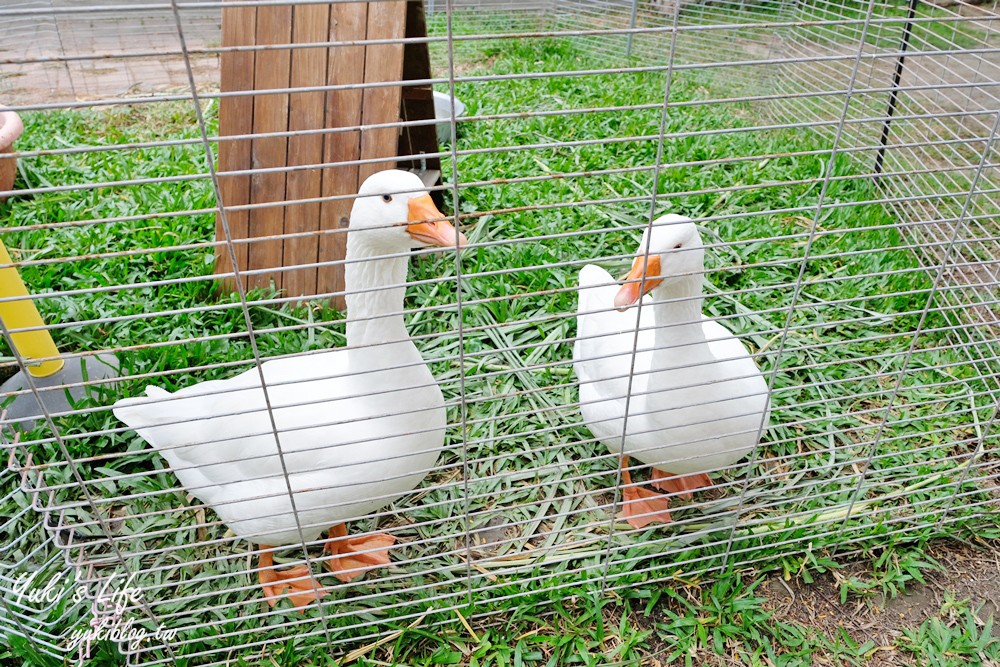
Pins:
x: 677, y: 313
x: 375, y: 288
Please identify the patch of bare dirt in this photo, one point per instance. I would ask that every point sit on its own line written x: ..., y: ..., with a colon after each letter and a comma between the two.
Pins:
x: 968, y: 573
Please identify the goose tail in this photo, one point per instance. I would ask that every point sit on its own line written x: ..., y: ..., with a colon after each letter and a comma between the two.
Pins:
x: 144, y: 413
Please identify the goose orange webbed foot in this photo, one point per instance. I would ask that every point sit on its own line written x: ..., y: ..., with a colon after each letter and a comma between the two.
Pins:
x: 640, y: 506
x: 304, y: 589
x: 683, y: 486
x: 643, y: 507
x: 353, y: 556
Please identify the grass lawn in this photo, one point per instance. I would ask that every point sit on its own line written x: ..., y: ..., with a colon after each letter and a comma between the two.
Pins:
x: 867, y: 414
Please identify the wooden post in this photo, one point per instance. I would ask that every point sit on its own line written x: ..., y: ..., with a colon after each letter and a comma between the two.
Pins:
x: 343, y: 109
x: 418, y: 104
x: 307, y: 112
x: 383, y: 62
x: 272, y: 70
x: 239, y: 28
x: 294, y: 234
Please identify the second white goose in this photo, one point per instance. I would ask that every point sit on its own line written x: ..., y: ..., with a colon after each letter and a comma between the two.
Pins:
x: 698, y: 400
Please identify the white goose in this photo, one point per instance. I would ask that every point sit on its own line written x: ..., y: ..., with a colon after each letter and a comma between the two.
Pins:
x: 358, y: 427
x: 698, y: 400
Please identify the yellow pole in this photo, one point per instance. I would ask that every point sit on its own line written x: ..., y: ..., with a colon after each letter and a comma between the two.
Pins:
x: 23, y: 314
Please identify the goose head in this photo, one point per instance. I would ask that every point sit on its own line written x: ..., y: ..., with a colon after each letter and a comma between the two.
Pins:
x: 675, y: 254
x: 394, y: 213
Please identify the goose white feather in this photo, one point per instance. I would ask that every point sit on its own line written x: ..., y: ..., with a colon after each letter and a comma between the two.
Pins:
x: 698, y: 400
x: 357, y: 429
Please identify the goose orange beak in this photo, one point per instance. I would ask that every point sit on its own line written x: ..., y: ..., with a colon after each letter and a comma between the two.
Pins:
x: 428, y: 225
x: 634, y: 286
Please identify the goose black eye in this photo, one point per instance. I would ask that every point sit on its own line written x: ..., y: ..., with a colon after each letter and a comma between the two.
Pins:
x: 678, y: 246
x: 387, y: 198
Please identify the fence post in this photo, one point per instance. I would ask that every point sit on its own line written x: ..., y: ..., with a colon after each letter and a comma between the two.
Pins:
x: 897, y: 75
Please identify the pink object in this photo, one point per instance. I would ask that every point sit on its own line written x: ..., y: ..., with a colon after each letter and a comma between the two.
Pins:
x: 10, y: 129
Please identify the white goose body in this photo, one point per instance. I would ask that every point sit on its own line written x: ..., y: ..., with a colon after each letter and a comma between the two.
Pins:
x: 358, y: 427
x: 698, y: 401
x: 345, y: 452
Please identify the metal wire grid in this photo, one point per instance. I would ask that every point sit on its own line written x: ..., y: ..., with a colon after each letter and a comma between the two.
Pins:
x: 89, y: 50
x: 28, y: 551
x: 495, y: 523
x: 930, y: 124
x: 945, y: 74
x: 105, y: 50
x: 705, y: 33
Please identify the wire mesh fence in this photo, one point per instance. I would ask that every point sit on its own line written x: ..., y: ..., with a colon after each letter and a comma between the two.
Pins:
x: 838, y: 159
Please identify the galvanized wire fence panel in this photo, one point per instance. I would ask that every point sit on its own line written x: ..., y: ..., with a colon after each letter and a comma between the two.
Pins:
x: 839, y: 159
x: 74, y: 51
x: 32, y: 614
x: 922, y: 119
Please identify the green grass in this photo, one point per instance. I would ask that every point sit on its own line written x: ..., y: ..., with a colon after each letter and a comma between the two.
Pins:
x: 954, y: 637
x: 531, y: 464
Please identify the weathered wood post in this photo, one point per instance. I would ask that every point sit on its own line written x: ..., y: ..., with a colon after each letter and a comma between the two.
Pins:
x: 299, y: 174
